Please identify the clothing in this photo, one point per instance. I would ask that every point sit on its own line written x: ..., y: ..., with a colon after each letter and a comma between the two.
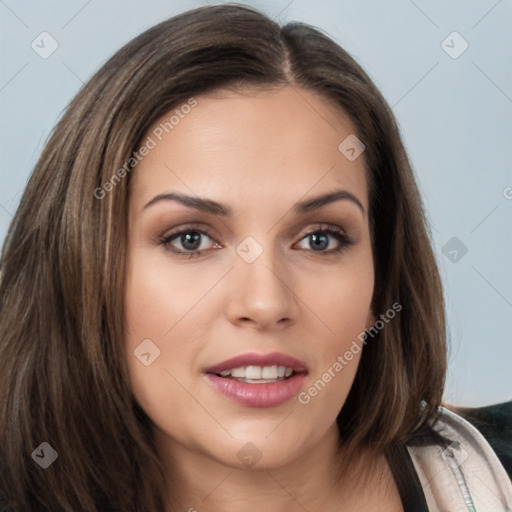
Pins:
x: 463, y: 475
x: 494, y: 422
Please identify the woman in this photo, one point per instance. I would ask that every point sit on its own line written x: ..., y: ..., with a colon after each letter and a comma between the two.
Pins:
x: 219, y: 292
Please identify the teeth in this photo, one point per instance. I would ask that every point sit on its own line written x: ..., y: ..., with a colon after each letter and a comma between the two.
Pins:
x: 238, y: 372
x: 269, y: 372
x: 258, y: 372
x: 253, y: 372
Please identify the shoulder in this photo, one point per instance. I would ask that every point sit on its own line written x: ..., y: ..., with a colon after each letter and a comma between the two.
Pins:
x: 494, y: 422
x: 463, y: 472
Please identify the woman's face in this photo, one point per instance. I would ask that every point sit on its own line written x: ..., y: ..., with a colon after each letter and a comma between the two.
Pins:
x: 267, y: 287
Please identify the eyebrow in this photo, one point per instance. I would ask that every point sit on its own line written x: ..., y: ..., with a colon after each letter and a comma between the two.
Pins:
x: 213, y: 207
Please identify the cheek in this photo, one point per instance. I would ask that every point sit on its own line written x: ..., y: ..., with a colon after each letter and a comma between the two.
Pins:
x: 149, y: 314
x: 342, y: 301
x: 150, y: 299
x: 164, y: 316
x: 159, y: 295
x: 343, y: 304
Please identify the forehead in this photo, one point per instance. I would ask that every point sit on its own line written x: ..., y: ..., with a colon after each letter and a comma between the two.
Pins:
x: 254, y: 144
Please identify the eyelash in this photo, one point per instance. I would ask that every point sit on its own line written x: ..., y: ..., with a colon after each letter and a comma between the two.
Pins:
x: 344, y: 240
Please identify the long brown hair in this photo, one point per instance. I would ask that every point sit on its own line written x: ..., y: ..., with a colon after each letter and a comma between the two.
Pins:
x: 63, y: 378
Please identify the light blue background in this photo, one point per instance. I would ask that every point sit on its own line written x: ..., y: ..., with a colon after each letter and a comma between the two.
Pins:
x: 455, y: 116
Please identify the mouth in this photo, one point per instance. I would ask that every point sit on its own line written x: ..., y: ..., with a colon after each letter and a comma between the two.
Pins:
x: 258, y: 380
x: 257, y: 374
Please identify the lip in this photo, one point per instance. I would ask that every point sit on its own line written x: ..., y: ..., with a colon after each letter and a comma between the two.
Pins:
x: 258, y: 395
x: 270, y: 394
x: 255, y: 359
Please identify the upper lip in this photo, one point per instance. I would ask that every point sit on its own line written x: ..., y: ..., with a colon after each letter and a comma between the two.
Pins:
x: 255, y: 359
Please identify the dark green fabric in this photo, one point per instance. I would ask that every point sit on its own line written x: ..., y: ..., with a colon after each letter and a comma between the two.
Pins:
x: 495, y: 423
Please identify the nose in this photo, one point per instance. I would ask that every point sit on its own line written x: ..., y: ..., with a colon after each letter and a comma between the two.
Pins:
x: 262, y: 294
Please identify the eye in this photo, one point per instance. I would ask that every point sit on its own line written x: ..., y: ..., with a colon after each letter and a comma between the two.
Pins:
x: 319, y: 239
x: 190, y: 240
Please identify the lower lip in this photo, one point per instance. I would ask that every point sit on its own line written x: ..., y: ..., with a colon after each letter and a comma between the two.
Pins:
x: 258, y: 395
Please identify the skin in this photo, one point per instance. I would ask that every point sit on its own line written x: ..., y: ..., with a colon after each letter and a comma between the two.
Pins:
x: 258, y: 153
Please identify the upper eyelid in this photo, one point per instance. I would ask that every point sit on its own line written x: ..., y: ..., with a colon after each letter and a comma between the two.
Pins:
x: 342, y: 237
x: 317, y: 226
